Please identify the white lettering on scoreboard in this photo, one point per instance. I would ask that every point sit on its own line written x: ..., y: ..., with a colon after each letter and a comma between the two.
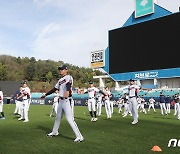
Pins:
x: 97, y: 59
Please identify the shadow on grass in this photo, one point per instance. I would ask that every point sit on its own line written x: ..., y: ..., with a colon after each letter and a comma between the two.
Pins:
x: 79, y: 118
x: 47, y: 130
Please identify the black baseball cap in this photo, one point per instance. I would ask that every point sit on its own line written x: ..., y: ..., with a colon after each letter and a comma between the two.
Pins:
x: 131, y: 80
x: 90, y: 82
x: 24, y: 82
x: 64, y: 67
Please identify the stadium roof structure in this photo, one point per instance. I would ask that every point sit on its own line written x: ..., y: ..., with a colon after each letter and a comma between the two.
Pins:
x: 159, y: 12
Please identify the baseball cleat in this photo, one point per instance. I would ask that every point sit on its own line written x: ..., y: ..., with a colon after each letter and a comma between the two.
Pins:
x: 95, y: 119
x: 52, y: 134
x: 26, y: 121
x: 134, y: 122
x: 92, y: 119
x: 3, y: 118
x: 79, y: 139
x: 20, y: 119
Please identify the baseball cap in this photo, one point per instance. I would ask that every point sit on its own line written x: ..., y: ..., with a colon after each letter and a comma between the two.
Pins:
x: 131, y: 80
x: 90, y: 82
x: 24, y: 82
x: 64, y: 67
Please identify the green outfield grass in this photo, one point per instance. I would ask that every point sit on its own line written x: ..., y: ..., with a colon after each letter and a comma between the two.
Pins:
x: 106, y: 136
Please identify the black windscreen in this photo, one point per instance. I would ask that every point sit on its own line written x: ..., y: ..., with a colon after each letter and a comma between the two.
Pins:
x: 150, y: 45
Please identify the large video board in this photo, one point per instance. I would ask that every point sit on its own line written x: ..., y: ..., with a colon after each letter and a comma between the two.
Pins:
x: 150, y: 45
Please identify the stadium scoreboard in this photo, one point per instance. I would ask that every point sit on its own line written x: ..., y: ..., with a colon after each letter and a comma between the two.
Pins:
x: 149, y: 45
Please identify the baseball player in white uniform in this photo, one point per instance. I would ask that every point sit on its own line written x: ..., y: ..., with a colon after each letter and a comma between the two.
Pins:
x: 64, y: 85
x: 99, y: 104
x: 142, y: 106
x: 55, y: 103
x: 1, y: 105
x: 133, y: 90
x: 111, y: 102
x: 151, y: 104
x: 91, y: 100
x: 25, y: 95
x: 107, y: 95
x: 120, y: 104
x: 126, y: 105
x: 139, y: 99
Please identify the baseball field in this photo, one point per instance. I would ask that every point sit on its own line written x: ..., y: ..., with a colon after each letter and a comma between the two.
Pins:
x: 106, y: 136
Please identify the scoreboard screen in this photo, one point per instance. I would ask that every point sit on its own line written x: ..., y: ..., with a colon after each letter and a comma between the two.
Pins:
x: 150, y: 45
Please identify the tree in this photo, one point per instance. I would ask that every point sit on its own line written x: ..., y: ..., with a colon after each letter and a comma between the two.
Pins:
x: 3, y: 73
x: 49, y: 76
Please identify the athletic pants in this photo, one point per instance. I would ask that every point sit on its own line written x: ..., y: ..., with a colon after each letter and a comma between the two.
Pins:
x: 64, y: 107
x: 24, y: 109
x: 108, y: 109
x: 151, y: 105
x: 99, y: 106
x: 163, y: 107
x: 168, y: 107
x: 133, y: 108
x: 91, y: 104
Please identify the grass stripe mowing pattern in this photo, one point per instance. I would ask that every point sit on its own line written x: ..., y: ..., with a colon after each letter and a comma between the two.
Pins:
x: 115, y: 135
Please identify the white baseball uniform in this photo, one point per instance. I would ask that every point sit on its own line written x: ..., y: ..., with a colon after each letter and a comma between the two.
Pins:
x: 151, y: 104
x: 99, y: 104
x: 120, y: 104
x: 132, y: 90
x: 139, y: 99
x: 25, y: 104
x: 92, y: 102
x: 91, y: 98
x: 142, y: 106
x: 111, y: 102
x: 126, y: 106
x: 65, y: 84
x: 107, y: 103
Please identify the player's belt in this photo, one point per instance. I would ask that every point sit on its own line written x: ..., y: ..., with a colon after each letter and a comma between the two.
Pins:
x: 63, y: 98
x: 91, y: 97
x: 131, y: 96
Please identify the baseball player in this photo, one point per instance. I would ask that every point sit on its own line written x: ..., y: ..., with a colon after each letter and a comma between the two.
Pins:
x: 162, y: 103
x: 120, y: 104
x: 99, y: 104
x: 18, y: 102
x: 142, y: 105
x: 107, y: 95
x: 151, y: 104
x: 111, y: 102
x: 177, y: 101
x: 139, y: 99
x: 1, y: 105
x: 64, y: 86
x: 25, y: 95
x: 91, y: 100
x: 133, y: 92
x: 168, y: 103
x: 55, y: 103
x: 126, y: 105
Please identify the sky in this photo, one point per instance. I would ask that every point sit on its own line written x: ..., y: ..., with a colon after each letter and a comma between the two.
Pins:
x: 63, y: 30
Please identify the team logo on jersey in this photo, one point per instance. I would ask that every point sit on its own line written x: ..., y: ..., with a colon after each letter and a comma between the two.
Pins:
x: 61, y: 82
